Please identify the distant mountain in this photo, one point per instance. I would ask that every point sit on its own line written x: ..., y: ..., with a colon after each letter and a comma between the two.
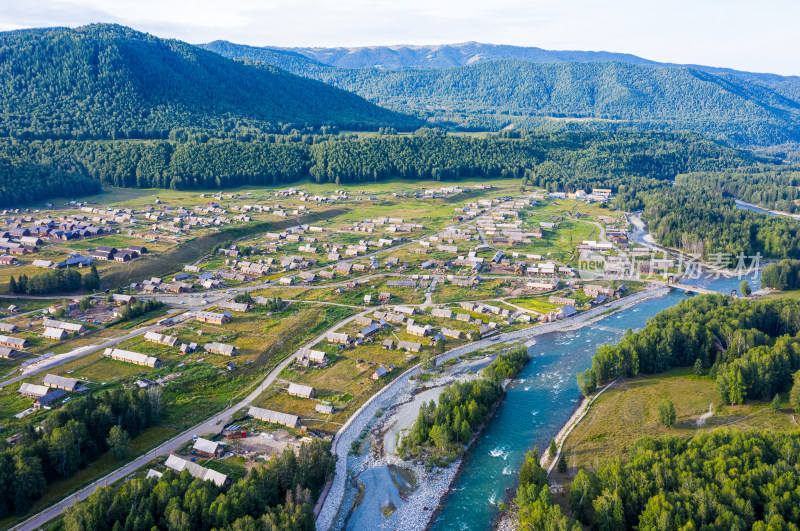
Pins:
x: 108, y: 81
x: 464, y: 54
x: 609, y: 94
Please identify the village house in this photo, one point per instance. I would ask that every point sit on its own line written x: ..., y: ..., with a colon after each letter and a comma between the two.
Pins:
x: 442, y: 312
x: 13, y: 342
x: 566, y: 311
x: 161, y: 339
x: 306, y: 357
x: 592, y: 290
x: 233, y: 306
x: 343, y: 268
x: 369, y: 330
x: 410, y: 346
x: 302, y: 391
x: 33, y: 390
x: 379, y: 373
x: 121, y: 299
x: 417, y: 330
x: 448, y: 332
x: 213, y: 318
x: 132, y: 357
x: 324, y: 408
x: 69, y: 327
x: 335, y: 337
x: 275, y: 417
x: 71, y: 385
x: 9, y: 353
x: 49, y: 398
x: 55, y: 333
x: 363, y: 320
x: 208, y: 448
x: 395, y: 318
x: 206, y: 474
x: 220, y: 348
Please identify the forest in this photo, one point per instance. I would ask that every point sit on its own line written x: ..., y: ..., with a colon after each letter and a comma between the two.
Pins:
x: 556, y: 161
x: 54, y: 281
x: 750, y: 348
x: 23, y: 182
x: 277, y: 495
x: 70, y: 438
x: 770, y: 187
x: 109, y: 81
x: 785, y: 275
x: 704, y: 222
x: 448, y: 426
x: 717, y: 480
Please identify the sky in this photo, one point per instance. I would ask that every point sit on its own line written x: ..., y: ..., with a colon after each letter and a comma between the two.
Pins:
x: 760, y: 36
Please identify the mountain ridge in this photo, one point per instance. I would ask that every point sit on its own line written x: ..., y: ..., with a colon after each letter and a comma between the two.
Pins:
x: 110, y: 81
x: 418, y: 56
x: 623, y: 95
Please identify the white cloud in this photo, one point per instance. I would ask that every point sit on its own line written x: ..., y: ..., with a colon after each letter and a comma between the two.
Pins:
x: 735, y: 33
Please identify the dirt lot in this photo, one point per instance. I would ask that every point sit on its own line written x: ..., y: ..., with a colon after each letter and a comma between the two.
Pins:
x: 264, y: 444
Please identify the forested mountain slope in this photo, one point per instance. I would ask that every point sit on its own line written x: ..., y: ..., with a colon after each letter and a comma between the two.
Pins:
x: 107, y: 81
x: 612, y: 94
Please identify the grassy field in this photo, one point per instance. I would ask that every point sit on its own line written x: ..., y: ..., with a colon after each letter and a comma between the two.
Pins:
x: 629, y: 411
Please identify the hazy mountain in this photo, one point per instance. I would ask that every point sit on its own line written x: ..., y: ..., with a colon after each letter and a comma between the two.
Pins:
x: 111, y: 81
x: 463, y: 54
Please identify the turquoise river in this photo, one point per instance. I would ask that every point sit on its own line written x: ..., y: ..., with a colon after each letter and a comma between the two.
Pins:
x: 538, y: 403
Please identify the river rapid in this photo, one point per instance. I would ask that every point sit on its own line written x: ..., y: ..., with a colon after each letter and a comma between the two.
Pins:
x: 537, y: 404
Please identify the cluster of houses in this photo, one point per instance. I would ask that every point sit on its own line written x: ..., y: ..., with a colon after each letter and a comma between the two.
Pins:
x: 108, y: 254
x: 601, y: 195
x: 53, y: 388
x: 28, y: 233
x: 386, y: 224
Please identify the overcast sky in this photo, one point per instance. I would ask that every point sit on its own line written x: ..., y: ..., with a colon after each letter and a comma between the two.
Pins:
x: 751, y: 35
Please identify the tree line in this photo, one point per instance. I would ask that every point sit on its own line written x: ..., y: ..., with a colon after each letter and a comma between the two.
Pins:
x: 137, y: 309
x: 22, y: 181
x: 557, y: 161
x: 68, y: 439
x: 785, y: 275
x: 750, y: 347
x: 705, y: 222
x: 54, y: 281
x: 717, y: 480
x: 274, y: 496
x: 443, y: 429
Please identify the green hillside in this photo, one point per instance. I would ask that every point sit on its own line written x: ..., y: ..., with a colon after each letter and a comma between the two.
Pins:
x: 603, y: 95
x: 106, y: 81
